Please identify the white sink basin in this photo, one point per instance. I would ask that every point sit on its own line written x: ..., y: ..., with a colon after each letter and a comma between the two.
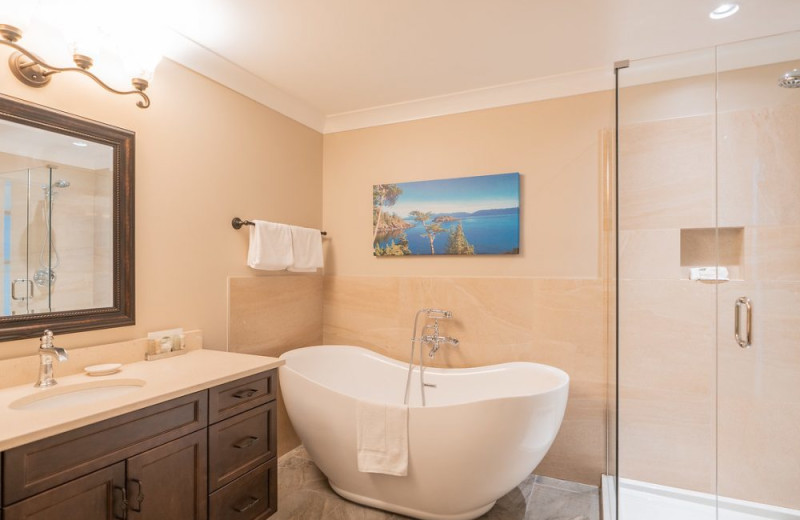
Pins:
x: 77, y: 394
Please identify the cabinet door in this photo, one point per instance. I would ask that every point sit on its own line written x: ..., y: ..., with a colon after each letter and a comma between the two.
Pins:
x: 97, y: 496
x: 169, y: 482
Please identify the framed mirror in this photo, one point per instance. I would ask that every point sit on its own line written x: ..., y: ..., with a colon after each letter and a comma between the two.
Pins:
x: 66, y: 192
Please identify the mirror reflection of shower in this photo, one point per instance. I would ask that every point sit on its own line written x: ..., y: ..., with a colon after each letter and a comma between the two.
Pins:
x: 48, y: 255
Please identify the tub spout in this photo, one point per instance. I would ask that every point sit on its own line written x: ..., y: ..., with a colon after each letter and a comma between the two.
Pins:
x: 436, y: 342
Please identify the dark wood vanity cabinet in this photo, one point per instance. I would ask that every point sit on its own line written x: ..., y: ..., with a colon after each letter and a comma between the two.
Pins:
x: 208, y: 455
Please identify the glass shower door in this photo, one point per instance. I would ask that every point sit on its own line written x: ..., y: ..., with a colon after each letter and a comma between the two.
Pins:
x: 758, y: 188
x: 709, y: 284
x: 667, y: 290
x: 26, y: 236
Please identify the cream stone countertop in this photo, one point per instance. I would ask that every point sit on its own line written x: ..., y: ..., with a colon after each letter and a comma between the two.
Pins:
x: 165, y: 379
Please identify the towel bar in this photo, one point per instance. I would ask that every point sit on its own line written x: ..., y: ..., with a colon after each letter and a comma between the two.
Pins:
x: 237, y: 223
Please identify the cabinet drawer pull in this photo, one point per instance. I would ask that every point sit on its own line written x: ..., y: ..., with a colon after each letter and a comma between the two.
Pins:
x: 245, y: 393
x: 242, y: 507
x: 139, y: 496
x: 246, y: 442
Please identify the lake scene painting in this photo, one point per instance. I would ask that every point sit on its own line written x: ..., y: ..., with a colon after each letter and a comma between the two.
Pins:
x: 461, y: 216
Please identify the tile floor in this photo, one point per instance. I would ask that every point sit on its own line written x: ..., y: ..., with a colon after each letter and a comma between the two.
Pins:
x: 304, y: 494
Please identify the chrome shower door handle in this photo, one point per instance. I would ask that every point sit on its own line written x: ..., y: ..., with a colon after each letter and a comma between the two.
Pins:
x: 744, y: 340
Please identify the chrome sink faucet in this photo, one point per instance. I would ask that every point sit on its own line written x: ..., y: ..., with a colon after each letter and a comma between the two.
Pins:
x: 47, y: 352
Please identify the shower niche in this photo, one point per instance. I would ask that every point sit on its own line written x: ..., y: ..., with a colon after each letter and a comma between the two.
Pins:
x: 57, y: 231
x: 720, y: 248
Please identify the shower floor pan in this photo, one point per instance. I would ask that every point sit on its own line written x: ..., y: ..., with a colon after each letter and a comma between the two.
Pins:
x: 645, y: 501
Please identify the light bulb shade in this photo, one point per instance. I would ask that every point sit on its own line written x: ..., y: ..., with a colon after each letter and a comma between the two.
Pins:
x: 17, y: 13
x: 141, y: 62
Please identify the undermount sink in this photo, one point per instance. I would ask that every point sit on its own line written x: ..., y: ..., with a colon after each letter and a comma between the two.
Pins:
x: 77, y: 394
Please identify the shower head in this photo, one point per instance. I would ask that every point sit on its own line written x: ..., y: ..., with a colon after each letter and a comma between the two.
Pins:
x: 790, y: 80
x: 61, y: 183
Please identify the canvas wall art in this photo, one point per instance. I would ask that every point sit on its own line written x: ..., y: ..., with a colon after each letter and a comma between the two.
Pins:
x: 461, y: 216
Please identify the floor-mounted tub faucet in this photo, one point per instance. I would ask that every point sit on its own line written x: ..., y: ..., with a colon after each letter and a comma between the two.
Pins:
x: 47, y: 352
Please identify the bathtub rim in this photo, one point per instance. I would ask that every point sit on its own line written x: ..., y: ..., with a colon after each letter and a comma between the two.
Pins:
x: 562, y: 384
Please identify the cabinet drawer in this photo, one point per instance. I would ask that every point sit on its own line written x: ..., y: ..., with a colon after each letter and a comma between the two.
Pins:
x: 43, y: 464
x: 241, y: 443
x: 253, y: 496
x: 237, y: 396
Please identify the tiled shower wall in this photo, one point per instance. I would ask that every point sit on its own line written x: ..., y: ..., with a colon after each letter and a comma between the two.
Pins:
x: 697, y: 412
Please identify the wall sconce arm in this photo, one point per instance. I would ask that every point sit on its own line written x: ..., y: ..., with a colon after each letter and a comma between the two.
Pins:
x: 33, y: 71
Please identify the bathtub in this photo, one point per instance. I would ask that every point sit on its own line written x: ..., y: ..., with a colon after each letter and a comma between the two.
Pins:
x: 482, y: 432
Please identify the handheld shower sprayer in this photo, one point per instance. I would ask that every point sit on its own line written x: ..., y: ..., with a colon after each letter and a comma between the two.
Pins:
x: 437, y: 313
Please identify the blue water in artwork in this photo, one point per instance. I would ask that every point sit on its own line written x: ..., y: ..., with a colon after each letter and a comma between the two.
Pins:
x: 489, y: 234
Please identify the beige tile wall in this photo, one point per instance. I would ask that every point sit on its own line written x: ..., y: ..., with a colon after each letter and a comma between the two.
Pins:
x: 271, y: 314
x: 698, y: 412
x: 557, y: 322
x: 759, y: 396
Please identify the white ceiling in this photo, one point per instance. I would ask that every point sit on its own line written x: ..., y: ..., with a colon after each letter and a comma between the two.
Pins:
x: 339, y: 64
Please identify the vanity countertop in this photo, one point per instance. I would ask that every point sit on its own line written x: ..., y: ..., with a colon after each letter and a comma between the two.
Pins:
x: 164, y: 379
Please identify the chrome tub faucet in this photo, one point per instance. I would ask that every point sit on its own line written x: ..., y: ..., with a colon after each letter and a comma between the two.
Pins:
x: 48, y: 352
x: 430, y: 335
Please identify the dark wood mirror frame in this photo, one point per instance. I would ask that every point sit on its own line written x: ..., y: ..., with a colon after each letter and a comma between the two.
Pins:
x: 122, y: 312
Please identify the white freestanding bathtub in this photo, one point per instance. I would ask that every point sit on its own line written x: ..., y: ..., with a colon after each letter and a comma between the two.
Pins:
x: 482, y: 432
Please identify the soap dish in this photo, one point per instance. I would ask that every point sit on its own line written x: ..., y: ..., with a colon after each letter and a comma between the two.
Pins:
x: 103, y: 370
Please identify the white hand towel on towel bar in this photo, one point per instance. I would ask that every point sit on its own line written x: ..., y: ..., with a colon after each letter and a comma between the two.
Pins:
x: 270, y: 246
x: 307, y: 249
x: 382, y: 438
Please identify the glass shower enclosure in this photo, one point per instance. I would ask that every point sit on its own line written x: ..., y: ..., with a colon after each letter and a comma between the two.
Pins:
x: 707, y: 422
x: 30, y: 255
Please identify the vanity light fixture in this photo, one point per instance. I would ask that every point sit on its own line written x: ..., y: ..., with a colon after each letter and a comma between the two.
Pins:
x: 82, y: 38
x: 724, y: 11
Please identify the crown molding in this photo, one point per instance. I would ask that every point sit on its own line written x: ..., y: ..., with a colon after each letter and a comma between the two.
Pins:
x: 206, y: 62
x: 562, y: 85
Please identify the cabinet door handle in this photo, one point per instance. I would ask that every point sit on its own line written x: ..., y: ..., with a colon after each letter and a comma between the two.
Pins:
x: 746, y: 339
x: 246, y: 442
x: 244, y: 506
x: 139, y: 495
x: 122, y: 502
x: 244, y: 394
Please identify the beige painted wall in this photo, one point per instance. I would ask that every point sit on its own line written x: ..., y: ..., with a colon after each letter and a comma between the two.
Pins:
x: 553, y: 144
x: 546, y: 305
x: 204, y: 154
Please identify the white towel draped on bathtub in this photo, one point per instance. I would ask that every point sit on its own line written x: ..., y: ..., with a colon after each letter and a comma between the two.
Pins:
x: 382, y: 438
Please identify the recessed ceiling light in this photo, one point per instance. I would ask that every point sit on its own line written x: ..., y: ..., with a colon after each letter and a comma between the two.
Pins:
x: 80, y: 143
x: 723, y: 11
